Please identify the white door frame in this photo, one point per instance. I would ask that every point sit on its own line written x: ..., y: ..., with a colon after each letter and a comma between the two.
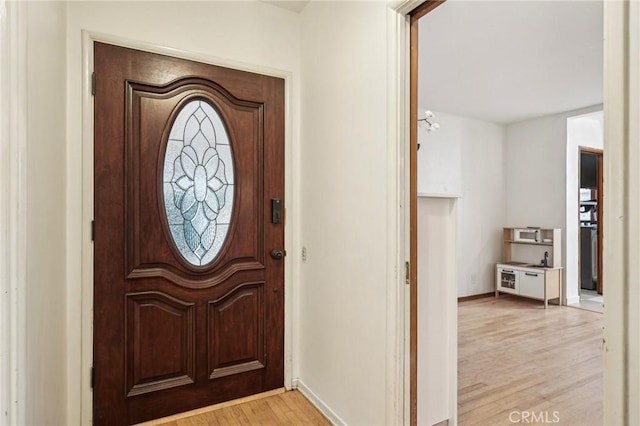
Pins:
x: 622, y: 212
x: 397, y: 384
x: 13, y: 214
x: 291, y: 233
x: 400, y: 104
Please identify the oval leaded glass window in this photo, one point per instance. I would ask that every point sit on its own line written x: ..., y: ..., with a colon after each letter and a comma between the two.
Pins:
x: 198, y: 182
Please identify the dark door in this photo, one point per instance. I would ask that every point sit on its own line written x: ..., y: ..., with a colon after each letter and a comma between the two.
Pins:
x: 188, y: 296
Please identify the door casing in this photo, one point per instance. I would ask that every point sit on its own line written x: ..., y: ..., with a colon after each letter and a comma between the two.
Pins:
x: 292, y: 243
x: 412, y: 159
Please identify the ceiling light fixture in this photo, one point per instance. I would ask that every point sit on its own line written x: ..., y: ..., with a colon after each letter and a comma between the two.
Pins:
x: 427, y: 122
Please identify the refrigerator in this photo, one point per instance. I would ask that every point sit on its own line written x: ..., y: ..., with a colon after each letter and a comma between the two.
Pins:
x: 588, y: 257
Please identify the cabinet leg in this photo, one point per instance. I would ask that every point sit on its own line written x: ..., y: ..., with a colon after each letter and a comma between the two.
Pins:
x: 546, y: 303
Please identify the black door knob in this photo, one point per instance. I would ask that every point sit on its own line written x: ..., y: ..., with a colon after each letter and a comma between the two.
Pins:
x: 277, y: 254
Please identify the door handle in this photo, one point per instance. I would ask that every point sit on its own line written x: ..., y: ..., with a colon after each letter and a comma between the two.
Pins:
x: 278, y: 254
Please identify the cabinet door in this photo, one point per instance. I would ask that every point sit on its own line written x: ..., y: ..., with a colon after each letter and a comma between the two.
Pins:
x: 507, y: 280
x: 531, y: 284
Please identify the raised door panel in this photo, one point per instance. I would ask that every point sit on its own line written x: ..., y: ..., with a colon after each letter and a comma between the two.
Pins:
x: 160, y: 336
x: 236, y: 331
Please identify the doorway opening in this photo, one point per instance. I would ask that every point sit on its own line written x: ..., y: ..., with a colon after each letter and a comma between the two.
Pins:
x: 590, y: 222
x: 503, y: 172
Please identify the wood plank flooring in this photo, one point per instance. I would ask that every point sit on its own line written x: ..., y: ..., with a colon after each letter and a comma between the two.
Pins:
x: 279, y: 408
x: 516, y: 359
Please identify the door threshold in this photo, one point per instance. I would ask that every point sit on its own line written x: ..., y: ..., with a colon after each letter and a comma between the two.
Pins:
x: 214, y: 407
x: 587, y: 305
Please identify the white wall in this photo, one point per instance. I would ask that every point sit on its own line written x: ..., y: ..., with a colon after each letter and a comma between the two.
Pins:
x: 440, y: 155
x: 46, y: 302
x: 535, y: 172
x: 344, y: 197
x: 582, y: 131
x: 246, y: 34
x: 482, y: 206
x: 437, y: 309
x: 465, y: 158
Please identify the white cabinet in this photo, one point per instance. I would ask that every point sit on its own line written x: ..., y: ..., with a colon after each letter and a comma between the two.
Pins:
x: 536, y: 283
x: 524, y: 251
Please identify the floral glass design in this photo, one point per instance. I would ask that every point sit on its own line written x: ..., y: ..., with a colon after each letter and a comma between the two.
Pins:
x: 198, y: 182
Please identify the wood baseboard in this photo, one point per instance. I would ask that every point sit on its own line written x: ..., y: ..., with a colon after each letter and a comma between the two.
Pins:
x: 476, y: 296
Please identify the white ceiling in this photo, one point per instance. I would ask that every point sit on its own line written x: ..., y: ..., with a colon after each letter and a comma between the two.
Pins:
x: 507, y: 61
x: 292, y: 5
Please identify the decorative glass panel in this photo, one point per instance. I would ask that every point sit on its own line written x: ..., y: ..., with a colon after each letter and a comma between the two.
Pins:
x: 198, y: 182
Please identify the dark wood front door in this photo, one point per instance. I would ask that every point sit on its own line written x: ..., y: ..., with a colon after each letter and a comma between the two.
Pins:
x: 188, y: 296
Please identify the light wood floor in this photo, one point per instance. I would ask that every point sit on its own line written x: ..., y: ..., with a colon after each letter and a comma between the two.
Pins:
x: 284, y: 408
x: 516, y: 356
